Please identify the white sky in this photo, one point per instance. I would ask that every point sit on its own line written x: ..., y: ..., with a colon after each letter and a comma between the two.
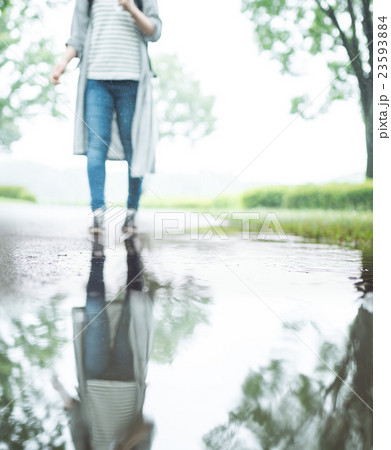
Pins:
x: 216, y: 43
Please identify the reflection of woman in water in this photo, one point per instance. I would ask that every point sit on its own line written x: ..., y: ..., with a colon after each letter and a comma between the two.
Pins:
x: 112, y: 345
x: 114, y: 108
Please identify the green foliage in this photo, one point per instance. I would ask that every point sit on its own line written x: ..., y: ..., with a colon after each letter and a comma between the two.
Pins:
x: 329, y: 196
x: 267, y: 196
x: 30, y: 342
x: 17, y: 192
x: 26, y: 59
x: 272, y: 408
x: 332, y: 196
x: 223, y: 437
x: 176, y: 202
x: 192, y: 203
x: 288, y: 28
x: 231, y: 201
x: 351, y: 228
x: 183, y: 110
x: 4, y: 4
x: 339, y: 33
x: 297, y: 411
x: 179, y: 309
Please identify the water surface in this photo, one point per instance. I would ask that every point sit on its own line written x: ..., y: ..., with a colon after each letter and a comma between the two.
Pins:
x: 256, y: 345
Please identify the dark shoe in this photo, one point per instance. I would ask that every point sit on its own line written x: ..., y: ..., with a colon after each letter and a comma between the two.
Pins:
x: 98, y: 220
x: 97, y: 249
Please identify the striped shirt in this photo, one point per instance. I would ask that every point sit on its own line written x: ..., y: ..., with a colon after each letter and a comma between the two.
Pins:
x: 114, y: 52
x: 112, y: 410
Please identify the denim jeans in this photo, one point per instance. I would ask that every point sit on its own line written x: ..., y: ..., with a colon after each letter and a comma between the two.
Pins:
x: 100, y: 360
x: 103, y: 97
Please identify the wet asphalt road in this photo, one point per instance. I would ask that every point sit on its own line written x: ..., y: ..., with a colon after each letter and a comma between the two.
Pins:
x: 47, y: 249
x: 222, y: 308
x: 43, y: 249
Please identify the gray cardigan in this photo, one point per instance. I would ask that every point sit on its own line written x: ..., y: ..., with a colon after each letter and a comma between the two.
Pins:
x: 144, y: 127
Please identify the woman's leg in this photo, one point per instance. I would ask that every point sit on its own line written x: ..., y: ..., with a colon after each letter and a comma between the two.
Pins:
x: 97, y: 333
x: 122, y: 368
x: 96, y: 338
x: 125, y: 93
x: 99, y: 106
x: 134, y: 192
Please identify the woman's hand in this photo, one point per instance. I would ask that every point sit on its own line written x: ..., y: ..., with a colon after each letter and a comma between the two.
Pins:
x: 144, y: 23
x: 59, y: 69
x: 136, y: 434
x: 129, y: 5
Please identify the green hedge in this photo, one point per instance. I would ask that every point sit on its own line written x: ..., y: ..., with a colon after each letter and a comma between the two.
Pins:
x: 193, y: 203
x: 266, y: 196
x: 328, y: 196
x: 17, y: 192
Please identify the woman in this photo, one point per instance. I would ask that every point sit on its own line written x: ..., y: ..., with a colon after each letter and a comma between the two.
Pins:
x: 114, y: 109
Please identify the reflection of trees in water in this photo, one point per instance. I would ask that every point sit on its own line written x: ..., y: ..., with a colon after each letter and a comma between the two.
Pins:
x: 350, y: 420
x: 178, y: 308
x: 27, y: 344
x: 365, y: 281
x: 309, y: 412
x: 355, y: 368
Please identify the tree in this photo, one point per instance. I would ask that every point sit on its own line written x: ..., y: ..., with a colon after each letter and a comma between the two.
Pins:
x: 183, y: 110
x: 179, y: 308
x: 340, y: 30
x: 4, y: 4
x: 304, y: 411
x: 26, y: 59
x: 26, y: 348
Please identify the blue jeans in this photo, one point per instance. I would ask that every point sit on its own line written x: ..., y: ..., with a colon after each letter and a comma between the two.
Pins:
x: 100, y: 360
x: 103, y: 97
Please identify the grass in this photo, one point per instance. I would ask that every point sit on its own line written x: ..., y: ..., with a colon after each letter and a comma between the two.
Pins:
x: 192, y: 203
x: 348, y: 227
x: 13, y: 200
x: 332, y: 213
x: 342, y: 227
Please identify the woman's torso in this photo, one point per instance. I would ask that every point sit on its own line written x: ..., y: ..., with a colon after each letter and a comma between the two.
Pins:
x: 114, y: 52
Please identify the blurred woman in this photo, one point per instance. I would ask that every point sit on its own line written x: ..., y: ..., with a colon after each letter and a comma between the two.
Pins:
x: 114, y: 116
